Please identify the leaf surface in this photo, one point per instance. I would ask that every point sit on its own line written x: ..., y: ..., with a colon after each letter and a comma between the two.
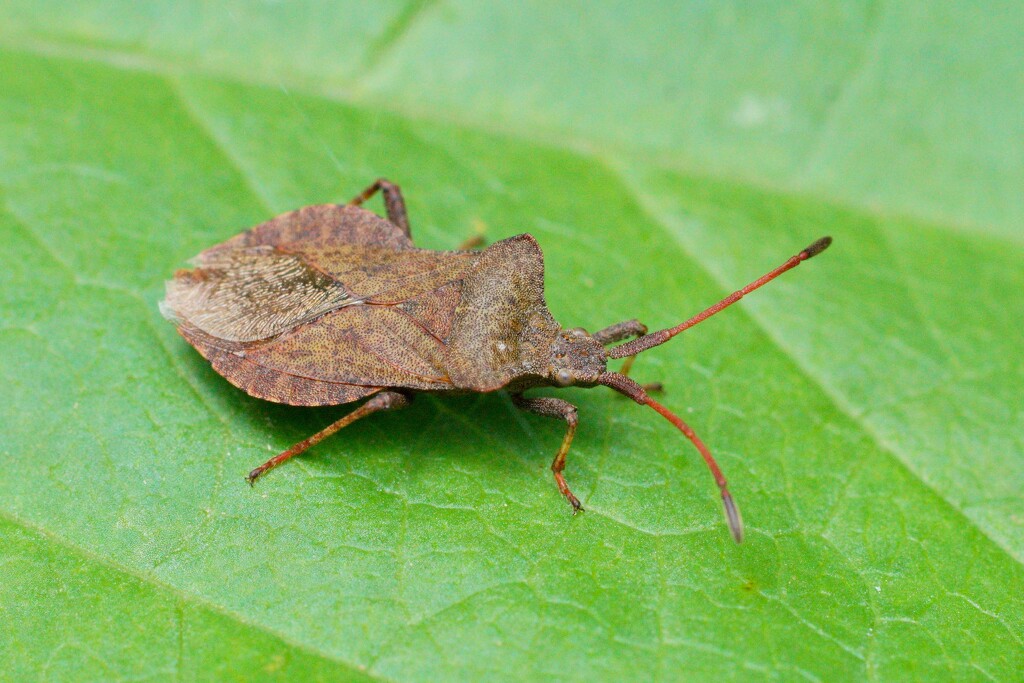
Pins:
x: 866, y: 407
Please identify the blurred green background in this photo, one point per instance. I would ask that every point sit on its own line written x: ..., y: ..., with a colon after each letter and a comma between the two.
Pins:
x: 867, y: 407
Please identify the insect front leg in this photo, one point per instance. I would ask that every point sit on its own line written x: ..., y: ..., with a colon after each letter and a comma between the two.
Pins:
x: 556, y: 407
x: 393, y: 202
x: 385, y: 400
x: 618, y: 332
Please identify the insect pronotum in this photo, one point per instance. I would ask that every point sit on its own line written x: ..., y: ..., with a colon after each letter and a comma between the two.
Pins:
x: 330, y: 304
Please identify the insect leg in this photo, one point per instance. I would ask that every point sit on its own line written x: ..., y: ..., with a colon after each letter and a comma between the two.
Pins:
x: 625, y: 330
x: 385, y: 400
x: 474, y: 242
x: 393, y: 202
x: 556, y: 407
x: 620, y: 331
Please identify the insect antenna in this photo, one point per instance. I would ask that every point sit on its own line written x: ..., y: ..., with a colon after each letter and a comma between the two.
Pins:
x: 653, y: 339
x: 628, y: 387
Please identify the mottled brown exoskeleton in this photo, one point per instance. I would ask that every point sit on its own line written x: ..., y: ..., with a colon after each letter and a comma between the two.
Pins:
x: 330, y: 304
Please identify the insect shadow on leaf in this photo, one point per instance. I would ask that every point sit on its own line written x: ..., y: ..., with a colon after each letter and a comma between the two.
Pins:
x: 330, y: 304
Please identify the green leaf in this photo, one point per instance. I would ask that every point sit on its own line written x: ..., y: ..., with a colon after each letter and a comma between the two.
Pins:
x: 866, y: 407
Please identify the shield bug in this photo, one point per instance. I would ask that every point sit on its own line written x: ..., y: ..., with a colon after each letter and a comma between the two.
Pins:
x: 331, y: 304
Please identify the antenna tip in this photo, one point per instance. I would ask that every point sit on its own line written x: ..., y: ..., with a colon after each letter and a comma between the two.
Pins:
x: 818, y: 247
x: 732, y: 514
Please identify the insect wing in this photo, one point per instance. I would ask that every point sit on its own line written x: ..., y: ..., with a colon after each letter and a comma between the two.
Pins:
x: 251, y: 293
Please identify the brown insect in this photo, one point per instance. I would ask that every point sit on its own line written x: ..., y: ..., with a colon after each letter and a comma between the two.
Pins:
x: 330, y: 304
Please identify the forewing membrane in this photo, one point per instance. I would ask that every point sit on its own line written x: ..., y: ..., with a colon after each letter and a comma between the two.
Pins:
x: 251, y: 293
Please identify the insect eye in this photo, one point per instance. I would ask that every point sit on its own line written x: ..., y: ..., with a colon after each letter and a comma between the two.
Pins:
x: 563, y: 377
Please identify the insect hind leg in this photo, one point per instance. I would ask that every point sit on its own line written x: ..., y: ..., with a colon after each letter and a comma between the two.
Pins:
x: 385, y: 400
x: 393, y: 202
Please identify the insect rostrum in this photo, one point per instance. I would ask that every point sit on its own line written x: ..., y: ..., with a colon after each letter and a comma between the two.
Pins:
x: 330, y: 304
